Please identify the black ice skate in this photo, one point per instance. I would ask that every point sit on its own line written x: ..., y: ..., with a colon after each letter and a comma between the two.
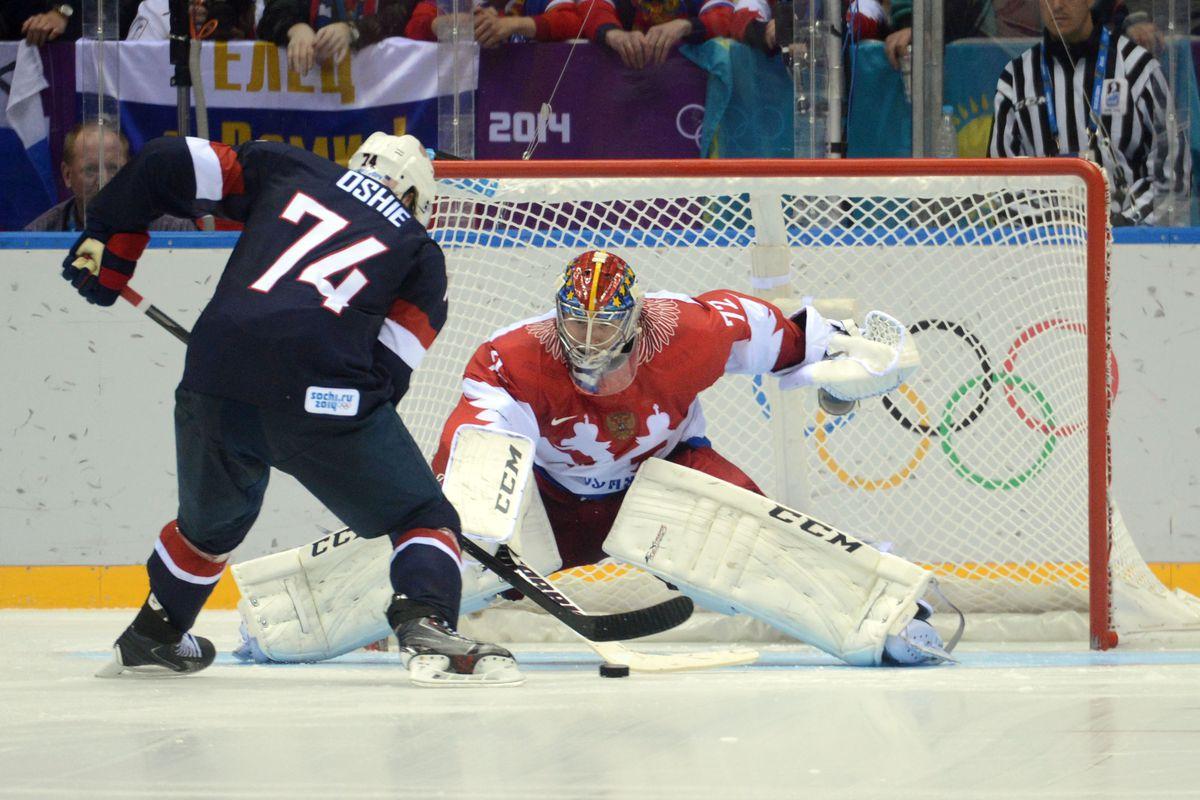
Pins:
x: 151, y: 647
x: 436, y: 655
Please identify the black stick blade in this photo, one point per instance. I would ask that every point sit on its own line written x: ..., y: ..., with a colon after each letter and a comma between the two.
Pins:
x: 595, y: 627
x: 641, y: 622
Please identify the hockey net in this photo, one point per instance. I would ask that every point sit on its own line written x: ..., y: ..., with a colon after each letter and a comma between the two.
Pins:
x: 990, y: 468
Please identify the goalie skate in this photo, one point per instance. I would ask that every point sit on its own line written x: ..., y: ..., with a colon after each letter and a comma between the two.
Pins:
x: 436, y: 655
x: 919, y: 643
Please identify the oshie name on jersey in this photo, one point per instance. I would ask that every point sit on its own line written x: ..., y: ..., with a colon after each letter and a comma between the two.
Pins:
x: 374, y: 196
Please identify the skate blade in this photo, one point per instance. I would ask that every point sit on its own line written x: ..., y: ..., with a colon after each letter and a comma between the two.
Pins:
x: 117, y: 669
x: 935, y: 655
x: 113, y: 668
x: 430, y: 672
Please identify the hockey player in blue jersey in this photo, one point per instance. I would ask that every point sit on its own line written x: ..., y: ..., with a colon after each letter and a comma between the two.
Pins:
x: 327, y: 304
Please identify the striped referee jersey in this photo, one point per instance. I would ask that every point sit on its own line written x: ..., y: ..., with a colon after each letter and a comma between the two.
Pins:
x: 1146, y: 163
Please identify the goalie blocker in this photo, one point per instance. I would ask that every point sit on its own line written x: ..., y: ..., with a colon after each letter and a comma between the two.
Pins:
x: 732, y: 549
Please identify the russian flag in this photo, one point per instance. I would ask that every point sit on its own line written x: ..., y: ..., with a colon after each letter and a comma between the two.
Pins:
x: 24, y: 137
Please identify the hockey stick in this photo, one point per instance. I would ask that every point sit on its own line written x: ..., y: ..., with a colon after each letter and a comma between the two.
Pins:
x: 594, y: 627
x: 611, y: 651
x: 169, y: 325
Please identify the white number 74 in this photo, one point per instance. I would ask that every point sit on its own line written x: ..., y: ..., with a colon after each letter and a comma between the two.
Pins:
x: 328, y: 224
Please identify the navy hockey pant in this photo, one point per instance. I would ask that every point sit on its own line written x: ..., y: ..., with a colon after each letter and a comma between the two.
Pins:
x: 369, y: 472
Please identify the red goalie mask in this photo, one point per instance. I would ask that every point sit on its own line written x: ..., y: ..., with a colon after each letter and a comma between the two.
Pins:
x: 598, y: 312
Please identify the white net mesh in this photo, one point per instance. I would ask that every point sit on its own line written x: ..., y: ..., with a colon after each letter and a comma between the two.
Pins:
x: 977, y: 468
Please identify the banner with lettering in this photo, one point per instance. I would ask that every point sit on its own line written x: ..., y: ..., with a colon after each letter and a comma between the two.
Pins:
x: 600, y: 108
x: 251, y: 94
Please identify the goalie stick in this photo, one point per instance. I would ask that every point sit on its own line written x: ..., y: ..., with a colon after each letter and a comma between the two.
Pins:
x: 597, y: 629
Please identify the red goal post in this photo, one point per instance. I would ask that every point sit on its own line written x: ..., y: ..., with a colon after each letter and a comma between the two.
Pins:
x: 783, y: 229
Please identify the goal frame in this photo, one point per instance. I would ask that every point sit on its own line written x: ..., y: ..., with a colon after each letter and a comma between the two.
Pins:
x: 1102, y: 633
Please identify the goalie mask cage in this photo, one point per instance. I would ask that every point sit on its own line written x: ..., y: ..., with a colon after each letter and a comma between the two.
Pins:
x: 991, y: 467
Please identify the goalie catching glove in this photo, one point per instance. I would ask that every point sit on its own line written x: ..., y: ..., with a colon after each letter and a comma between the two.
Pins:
x: 858, y: 362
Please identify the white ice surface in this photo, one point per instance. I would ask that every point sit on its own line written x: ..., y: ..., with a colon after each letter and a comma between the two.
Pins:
x: 1046, y: 723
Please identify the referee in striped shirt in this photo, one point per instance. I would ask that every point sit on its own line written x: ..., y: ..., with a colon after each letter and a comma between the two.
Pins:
x: 1046, y: 97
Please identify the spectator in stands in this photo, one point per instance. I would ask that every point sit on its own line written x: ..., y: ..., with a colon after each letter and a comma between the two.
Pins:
x: 1042, y: 92
x: 1017, y: 19
x: 961, y: 19
x: 643, y: 32
x: 866, y: 19
x: 326, y: 31
x: 40, y: 21
x: 214, y: 19
x: 1135, y: 19
x: 753, y: 22
x: 81, y: 168
x: 495, y: 22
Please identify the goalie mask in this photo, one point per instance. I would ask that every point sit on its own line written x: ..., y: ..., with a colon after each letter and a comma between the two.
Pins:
x: 598, y: 317
x: 402, y: 163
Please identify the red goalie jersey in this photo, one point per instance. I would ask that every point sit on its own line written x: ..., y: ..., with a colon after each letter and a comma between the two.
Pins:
x: 590, y: 445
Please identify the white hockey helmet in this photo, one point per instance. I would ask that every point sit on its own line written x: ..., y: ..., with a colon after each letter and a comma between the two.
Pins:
x: 403, y: 163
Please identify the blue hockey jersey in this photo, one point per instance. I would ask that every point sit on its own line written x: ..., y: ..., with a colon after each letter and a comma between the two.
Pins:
x: 332, y: 295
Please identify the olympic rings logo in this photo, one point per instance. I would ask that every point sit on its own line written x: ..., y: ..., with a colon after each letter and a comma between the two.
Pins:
x: 1014, y: 387
x: 871, y: 484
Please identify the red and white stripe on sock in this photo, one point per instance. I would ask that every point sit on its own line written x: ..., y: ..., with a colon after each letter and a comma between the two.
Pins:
x: 185, y: 561
x: 438, y: 538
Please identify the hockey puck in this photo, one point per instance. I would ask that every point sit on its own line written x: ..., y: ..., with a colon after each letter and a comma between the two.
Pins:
x: 608, y: 670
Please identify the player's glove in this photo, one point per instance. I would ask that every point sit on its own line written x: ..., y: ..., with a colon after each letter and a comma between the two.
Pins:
x: 99, y: 270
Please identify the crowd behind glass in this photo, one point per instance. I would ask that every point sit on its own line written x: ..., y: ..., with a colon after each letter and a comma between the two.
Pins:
x: 1130, y: 115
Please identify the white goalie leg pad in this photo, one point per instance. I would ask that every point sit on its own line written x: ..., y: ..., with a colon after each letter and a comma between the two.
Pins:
x: 719, y: 542
x: 489, y: 479
x: 316, y: 601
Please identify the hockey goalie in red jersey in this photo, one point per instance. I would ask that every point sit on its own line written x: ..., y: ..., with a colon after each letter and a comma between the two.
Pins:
x: 610, y: 378
x: 604, y: 389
